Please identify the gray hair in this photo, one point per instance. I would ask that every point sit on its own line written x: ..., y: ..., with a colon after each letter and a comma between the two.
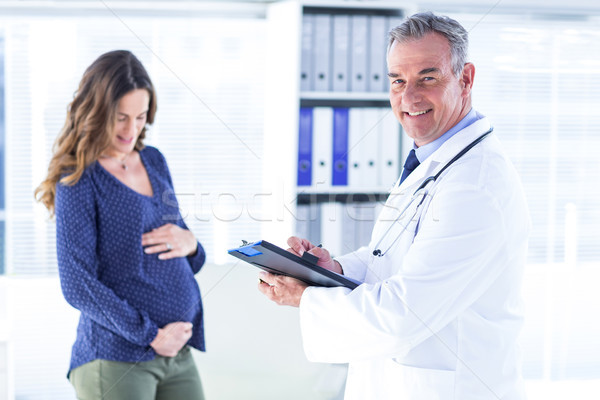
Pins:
x: 419, y: 25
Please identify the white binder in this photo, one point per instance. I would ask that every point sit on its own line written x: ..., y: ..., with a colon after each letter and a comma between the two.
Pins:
x: 377, y: 62
x: 322, y: 148
x: 358, y: 60
x: 356, y: 140
x: 362, y: 216
x: 341, y: 38
x: 322, y: 52
x: 390, y: 139
x: 302, y: 217
x: 370, y: 149
x: 333, y: 223
x: 308, y: 222
x: 314, y: 223
x: 363, y: 145
x: 306, y: 63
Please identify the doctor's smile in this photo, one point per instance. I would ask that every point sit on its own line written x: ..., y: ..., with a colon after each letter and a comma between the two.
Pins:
x: 417, y: 113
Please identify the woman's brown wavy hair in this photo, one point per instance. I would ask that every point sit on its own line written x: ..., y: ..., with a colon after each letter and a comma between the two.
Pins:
x: 91, y: 116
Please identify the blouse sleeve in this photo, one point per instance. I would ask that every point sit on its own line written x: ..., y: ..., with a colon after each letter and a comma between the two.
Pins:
x: 79, y: 269
x: 197, y: 260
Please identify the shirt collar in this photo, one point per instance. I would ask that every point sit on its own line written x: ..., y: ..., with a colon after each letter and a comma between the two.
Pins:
x: 426, y: 150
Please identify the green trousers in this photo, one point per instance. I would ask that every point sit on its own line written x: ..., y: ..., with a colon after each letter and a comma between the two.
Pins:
x: 164, y: 378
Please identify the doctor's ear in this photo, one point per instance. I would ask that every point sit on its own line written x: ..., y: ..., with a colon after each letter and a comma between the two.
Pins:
x: 467, y: 77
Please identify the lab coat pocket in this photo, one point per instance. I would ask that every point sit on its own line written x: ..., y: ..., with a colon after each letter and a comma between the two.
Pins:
x: 420, y: 383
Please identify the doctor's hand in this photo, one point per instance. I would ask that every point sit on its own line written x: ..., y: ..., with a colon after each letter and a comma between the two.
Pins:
x: 283, y: 290
x: 300, y: 246
x: 170, y: 241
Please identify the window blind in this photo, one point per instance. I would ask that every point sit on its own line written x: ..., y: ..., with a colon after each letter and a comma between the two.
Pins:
x: 538, y: 80
x: 209, y: 80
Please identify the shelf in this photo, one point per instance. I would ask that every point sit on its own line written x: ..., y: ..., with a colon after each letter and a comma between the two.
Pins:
x: 341, y: 197
x: 388, y: 7
x: 345, y: 96
x: 344, y: 99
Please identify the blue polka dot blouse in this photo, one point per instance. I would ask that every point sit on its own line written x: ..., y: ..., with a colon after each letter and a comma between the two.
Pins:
x: 124, y: 295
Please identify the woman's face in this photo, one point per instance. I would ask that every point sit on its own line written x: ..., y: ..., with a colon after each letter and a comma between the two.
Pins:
x: 132, y: 112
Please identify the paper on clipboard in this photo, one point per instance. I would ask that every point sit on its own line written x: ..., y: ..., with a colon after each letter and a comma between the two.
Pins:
x: 274, y: 259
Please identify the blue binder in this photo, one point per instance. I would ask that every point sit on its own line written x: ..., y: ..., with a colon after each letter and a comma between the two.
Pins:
x: 339, y: 175
x: 305, y: 146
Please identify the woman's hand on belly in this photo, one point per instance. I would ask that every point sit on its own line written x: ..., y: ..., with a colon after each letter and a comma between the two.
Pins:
x: 171, y: 338
x: 170, y: 241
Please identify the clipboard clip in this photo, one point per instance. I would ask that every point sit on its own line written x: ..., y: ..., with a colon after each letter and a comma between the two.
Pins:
x: 311, y: 258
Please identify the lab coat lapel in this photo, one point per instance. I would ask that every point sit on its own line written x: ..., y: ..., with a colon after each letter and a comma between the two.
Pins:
x: 458, y: 142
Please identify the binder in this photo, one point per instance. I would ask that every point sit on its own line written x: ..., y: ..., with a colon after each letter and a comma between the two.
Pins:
x: 377, y: 81
x: 302, y: 229
x: 390, y: 139
x: 322, y: 148
x: 370, y: 150
x: 314, y: 223
x: 340, y: 147
x: 364, y: 142
x: 308, y: 224
x: 322, y: 52
x: 358, y: 60
x: 349, y: 228
x: 341, y: 38
x: 306, y: 61
x: 356, y: 139
x: 305, y: 147
x: 332, y: 228
x: 364, y: 221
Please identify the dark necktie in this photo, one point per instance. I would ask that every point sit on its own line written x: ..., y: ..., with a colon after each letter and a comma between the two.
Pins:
x: 409, y: 165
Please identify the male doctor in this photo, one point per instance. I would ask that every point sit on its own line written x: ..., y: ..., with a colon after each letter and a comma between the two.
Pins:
x: 439, y: 312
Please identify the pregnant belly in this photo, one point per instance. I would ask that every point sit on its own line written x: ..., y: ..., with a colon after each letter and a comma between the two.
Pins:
x: 167, y: 291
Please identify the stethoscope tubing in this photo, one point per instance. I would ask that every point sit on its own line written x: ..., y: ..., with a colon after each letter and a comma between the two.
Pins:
x: 433, y: 178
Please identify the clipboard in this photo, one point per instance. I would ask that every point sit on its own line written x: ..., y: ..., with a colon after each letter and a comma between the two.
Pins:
x: 276, y: 260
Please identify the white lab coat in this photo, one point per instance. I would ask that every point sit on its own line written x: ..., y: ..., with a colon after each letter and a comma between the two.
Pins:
x: 439, y: 314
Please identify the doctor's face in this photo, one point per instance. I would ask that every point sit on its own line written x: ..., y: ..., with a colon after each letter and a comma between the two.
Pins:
x: 427, y: 98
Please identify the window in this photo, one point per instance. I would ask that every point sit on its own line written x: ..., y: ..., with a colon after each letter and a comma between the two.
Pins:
x: 538, y: 79
x: 209, y: 78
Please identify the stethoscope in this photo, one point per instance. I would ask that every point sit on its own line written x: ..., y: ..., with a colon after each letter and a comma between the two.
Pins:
x: 422, y: 194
